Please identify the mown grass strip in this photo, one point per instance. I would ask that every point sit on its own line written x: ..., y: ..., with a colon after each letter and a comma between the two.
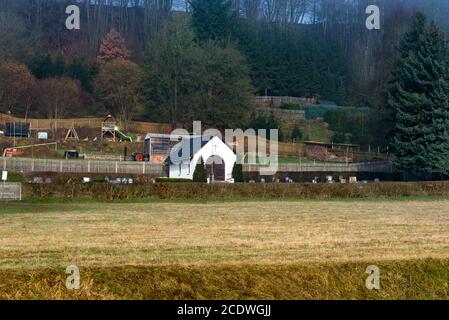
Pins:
x: 38, y: 200
x: 413, y: 279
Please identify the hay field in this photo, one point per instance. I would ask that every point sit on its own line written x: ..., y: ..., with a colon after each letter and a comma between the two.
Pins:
x: 109, y: 235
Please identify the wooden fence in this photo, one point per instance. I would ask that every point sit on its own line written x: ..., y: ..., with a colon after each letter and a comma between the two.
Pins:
x: 285, y: 114
x: 95, y: 123
x: 27, y: 165
x: 51, y: 124
x: 149, y: 127
x: 278, y: 100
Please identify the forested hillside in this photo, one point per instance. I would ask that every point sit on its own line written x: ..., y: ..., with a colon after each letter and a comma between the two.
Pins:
x: 198, y: 59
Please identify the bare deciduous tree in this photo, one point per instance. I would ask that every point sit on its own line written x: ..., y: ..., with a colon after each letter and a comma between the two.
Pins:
x: 59, y: 98
x: 118, y: 87
x: 16, y: 82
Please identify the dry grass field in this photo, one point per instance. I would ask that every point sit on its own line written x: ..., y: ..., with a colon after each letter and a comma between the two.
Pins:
x: 101, y: 234
x: 193, y: 237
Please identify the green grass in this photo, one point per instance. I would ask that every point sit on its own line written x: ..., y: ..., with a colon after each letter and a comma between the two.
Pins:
x: 289, y: 160
x: 50, y: 206
x: 315, y: 131
x: 165, y: 233
x: 60, y: 152
x: 39, y: 200
x: 15, y: 177
x: 304, y: 161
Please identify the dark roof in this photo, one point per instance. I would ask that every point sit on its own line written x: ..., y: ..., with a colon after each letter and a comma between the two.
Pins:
x: 188, y: 147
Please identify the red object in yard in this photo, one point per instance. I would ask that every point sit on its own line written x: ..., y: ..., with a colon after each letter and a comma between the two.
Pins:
x: 9, y: 152
x: 139, y: 157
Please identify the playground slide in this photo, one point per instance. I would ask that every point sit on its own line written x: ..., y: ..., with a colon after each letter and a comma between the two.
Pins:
x: 124, y: 136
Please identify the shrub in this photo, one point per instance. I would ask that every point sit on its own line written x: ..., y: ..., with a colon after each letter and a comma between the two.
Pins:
x: 296, y: 133
x: 239, y: 190
x: 264, y: 120
x: 200, y: 174
x: 339, y: 138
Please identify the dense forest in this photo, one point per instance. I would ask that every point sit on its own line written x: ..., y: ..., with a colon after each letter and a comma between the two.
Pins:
x: 200, y: 59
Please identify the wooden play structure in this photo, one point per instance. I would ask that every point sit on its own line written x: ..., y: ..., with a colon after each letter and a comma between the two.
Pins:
x: 109, y: 128
x: 111, y: 131
x: 72, y: 134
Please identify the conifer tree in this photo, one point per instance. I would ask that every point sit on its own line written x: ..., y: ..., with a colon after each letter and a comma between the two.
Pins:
x: 419, y: 97
x: 200, y: 174
x: 296, y: 133
x: 213, y: 20
x: 237, y: 173
x: 59, y: 66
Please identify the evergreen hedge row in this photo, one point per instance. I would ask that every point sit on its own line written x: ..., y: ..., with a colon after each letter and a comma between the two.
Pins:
x: 107, y: 191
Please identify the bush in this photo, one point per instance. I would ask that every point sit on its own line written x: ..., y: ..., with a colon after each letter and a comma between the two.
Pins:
x: 267, y: 120
x: 200, y: 174
x: 238, y: 190
x: 296, y: 133
x: 339, y: 138
x: 237, y: 172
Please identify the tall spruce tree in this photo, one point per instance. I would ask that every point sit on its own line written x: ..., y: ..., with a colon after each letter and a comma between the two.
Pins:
x: 419, y: 97
x: 213, y: 20
x: 237, y: 173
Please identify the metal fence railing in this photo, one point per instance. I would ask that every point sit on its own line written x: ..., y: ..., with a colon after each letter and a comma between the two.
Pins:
x: 10, y: 191
x: 156, y: 169
x: 368, y: 167
x: 80, y: 166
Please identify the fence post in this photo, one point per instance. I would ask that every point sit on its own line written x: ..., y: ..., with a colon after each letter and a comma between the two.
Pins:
x: 60, y: 166
x: 32, y: 165
x: 116, y: 167
x: 143, y: 171
x: 4, y: 164
x: 88, y: 166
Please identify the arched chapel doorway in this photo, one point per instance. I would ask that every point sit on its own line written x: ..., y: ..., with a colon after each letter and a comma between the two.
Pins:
x: 215, y: 168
